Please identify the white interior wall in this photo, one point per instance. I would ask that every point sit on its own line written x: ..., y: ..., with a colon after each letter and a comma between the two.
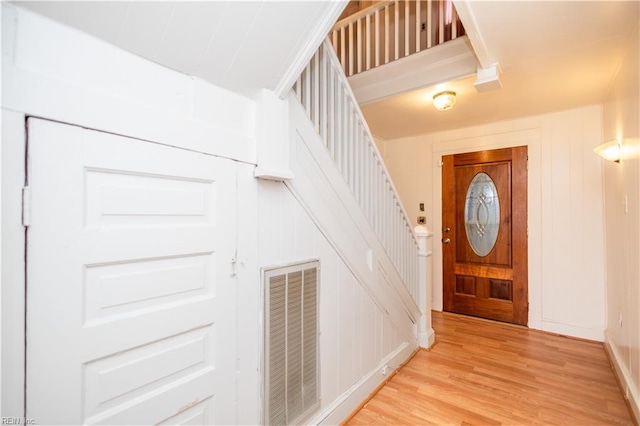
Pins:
x: 566, y: 255
x: 58, y: 73
x: 621, y: 120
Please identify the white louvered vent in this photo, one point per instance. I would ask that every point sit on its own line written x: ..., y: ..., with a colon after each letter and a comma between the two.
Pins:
x: 291, y: 343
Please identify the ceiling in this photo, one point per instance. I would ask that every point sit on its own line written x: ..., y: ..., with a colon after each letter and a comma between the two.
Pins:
x: 238, y: 45
x: 553, y: 55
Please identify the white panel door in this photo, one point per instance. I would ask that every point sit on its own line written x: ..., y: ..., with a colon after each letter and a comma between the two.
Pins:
x: 130, y: 284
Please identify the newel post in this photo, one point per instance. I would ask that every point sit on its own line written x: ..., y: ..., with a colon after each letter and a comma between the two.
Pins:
x: 425, y: 282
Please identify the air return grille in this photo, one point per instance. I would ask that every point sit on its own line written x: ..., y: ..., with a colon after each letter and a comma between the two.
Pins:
x: 291, y: 343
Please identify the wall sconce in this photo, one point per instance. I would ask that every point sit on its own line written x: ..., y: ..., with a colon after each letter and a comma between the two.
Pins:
x: 444, y: 100
x: 610, y: 151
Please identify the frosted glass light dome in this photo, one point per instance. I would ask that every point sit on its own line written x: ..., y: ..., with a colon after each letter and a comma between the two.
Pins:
x: 444, y: 100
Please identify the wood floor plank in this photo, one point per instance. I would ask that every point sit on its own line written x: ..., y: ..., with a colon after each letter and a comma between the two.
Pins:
x: 483, y: 373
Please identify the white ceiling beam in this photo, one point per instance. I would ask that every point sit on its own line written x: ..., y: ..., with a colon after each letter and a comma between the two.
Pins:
x: 463, y: 7
x: 449, y: 61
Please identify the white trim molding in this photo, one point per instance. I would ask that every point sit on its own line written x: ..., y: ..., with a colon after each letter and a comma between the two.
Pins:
x: 13, y: 264
x: 463, y: 7
x: 344, y: 405
x: 582, y: 331
x: 309, y: 47
x: 629, y: 389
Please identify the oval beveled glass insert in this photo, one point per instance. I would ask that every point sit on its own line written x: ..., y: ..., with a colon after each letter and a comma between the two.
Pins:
x: 482, y: 214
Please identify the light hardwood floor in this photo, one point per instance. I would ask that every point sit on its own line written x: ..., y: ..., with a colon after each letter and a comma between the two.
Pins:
x: 485, y: 373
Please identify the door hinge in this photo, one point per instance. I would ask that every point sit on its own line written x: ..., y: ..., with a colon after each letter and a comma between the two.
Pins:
x: 26, y: 206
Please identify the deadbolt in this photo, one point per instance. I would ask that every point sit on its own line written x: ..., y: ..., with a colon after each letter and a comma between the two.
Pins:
x: 447, y: 229
x: 446, y: 240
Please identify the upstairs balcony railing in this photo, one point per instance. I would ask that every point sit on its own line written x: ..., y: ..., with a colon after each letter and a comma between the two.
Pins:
x: 391, y: 30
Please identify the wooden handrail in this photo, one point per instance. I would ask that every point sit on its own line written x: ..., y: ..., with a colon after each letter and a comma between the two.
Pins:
x: 361, y: 13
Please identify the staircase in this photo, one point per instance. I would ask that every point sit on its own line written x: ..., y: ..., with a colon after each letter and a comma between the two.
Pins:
x: 326, y: 96
x: 334, y: 145
x: 339, y: 178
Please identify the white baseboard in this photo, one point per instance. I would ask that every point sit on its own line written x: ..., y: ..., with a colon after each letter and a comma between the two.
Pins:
x: 428, y: 338
x: 573, y: 330
x: 349, y: 401
x: 629, y: 390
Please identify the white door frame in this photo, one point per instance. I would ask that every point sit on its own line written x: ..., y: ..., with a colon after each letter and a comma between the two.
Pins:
x: 529, y: 138
x: 12, y: 308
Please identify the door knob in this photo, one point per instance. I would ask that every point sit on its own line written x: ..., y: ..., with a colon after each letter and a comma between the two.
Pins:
x: 446, y: 240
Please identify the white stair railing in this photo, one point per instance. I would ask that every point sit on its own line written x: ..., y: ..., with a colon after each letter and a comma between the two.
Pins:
x: 390, y: 30
x: 325, y: 94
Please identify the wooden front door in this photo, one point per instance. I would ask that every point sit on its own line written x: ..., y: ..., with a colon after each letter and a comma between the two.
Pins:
x: 484, y: 235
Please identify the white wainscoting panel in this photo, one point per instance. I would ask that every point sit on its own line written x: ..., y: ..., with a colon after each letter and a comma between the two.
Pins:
x: 356, y: 338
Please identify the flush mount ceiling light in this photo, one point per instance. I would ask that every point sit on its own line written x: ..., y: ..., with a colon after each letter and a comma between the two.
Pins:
x: 609, y: 150
x: 444, y: 100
